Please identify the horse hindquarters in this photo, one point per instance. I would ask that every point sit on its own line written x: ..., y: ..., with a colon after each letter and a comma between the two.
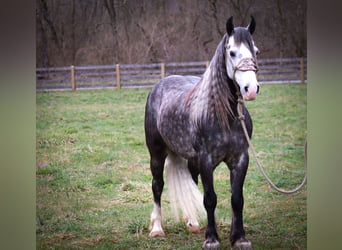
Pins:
x: 157, y: 150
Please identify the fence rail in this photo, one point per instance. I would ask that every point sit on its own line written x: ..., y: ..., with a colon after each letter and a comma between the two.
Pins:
x: 276, y: 70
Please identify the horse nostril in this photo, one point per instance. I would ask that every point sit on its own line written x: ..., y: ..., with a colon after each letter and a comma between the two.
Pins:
x: 257, y: 89
x: 246, y: 89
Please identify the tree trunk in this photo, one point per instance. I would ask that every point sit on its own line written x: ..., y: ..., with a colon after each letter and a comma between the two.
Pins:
x: 110, y: 6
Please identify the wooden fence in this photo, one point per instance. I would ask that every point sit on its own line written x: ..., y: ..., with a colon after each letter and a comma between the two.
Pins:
x: 278, y: 70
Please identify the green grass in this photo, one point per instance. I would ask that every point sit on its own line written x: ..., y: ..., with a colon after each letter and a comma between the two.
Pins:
x: 93, y: 179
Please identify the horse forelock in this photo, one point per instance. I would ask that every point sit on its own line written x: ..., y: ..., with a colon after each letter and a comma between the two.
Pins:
x: 211, y: 98
x: 242, y: 35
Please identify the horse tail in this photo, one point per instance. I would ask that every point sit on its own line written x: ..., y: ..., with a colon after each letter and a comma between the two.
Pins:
x: 183, y: 192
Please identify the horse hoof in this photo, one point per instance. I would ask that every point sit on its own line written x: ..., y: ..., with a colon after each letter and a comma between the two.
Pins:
x: 154, y: 234
x: 211, y: 244
x: 156, y: 228
x: 193, y: 226
x: 242, y: 244
x: 194, y: 229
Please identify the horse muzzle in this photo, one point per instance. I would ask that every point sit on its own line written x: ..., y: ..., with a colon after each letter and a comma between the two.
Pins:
x: 251, y: 92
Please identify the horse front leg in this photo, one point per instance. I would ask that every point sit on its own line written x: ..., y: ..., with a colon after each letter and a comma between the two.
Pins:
x: 210, y: 201
x: 238, y: 170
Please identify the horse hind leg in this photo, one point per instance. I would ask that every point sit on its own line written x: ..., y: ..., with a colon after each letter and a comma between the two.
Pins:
x: 158, y: 155
x: 157, y: 168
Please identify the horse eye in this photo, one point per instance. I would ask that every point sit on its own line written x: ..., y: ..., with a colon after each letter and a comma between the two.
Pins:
x: 232, y: 54
x: 257, y: 51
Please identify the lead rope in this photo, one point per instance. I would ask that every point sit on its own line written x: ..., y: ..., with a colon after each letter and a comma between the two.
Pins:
x: 242, y: 119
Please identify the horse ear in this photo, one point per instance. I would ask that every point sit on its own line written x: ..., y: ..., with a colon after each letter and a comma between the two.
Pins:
x: 230, y: 26
x: 251, y: 26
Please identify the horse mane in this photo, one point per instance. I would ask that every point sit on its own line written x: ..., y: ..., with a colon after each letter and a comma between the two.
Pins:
x: 211, y: 98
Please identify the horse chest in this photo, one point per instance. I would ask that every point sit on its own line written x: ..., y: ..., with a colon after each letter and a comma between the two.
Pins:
x: 220, y: 145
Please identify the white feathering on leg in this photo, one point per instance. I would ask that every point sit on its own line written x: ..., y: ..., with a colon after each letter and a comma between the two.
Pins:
x: 156, y: 222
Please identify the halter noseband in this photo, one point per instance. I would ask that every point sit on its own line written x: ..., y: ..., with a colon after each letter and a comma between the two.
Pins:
x: 247, y: 64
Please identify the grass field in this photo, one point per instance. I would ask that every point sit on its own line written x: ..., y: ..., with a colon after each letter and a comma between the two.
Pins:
x: 93, y: 184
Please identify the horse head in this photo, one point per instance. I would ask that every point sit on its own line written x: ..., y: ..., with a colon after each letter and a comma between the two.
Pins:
x: 240, y: 53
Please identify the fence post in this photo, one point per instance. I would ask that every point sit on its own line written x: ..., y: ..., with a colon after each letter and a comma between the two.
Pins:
x: 302, y: 73
x: 118, y: 84
x: 73, y: 83
x: 162, y: 70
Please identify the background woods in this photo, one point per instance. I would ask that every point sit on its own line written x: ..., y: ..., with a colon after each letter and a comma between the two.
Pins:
x: 87, y: 32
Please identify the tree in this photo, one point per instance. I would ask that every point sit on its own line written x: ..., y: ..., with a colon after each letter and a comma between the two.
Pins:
x: 111, y: 7
x: 48, y: 34
x: 83, y: 32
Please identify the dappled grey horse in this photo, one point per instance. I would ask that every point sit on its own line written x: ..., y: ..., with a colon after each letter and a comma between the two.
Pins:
x: 191, y: 125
